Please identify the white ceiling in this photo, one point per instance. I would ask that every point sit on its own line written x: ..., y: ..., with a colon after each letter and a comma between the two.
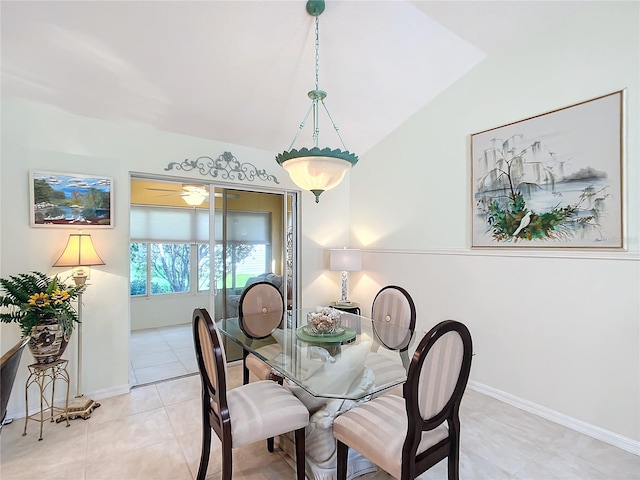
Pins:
x: 239, y: 71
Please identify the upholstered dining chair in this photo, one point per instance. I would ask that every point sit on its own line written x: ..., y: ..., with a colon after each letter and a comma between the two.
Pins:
x: 260, y: 311
x: 407, y: 436
x: 394, y: 320
x: 245, y: 414
x: 8, y: 368
x: 393, y: 315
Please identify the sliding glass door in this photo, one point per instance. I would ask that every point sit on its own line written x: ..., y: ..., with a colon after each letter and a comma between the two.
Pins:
x: 253, y: 241
x: 252, y: 235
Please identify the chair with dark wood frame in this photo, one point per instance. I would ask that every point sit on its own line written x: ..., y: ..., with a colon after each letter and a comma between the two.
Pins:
x: 260, y: 312
x: 393, y: 306
x: 427, y: 418
x: 8, y: 369
x: 243, y: 415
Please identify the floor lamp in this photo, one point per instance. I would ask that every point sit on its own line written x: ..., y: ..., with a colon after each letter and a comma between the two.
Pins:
x: 79, y: 254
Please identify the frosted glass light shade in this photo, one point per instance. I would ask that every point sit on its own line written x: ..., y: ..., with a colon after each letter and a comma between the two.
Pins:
x: 194, y: 199
x: 79, y: 252
x: 317, y: 173
x: 345, y: 259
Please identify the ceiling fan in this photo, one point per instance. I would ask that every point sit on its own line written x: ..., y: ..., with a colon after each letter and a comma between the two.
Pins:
x: 192, y: 194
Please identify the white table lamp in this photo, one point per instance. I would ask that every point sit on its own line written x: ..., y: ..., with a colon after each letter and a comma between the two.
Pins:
x: 345, y: 260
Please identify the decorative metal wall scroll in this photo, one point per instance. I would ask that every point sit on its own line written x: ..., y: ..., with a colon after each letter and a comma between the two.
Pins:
x: 226, y: 167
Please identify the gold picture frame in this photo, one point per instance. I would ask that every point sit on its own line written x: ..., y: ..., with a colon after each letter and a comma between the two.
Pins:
x: 553, y: 180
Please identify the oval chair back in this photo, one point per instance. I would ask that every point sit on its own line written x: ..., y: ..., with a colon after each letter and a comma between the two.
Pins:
x: 394, y: 319
x: 260, y: 311
x: 436, y: 381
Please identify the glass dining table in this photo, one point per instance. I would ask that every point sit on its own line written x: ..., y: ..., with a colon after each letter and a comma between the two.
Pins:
x: 330, y: 374
x: 350, y: 364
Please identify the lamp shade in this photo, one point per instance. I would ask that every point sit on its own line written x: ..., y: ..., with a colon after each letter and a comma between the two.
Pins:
x: 316, y: 173
x: 79, y: 252
x: 345, y: 259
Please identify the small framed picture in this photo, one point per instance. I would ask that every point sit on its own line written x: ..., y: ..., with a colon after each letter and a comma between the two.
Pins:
x: 70, y: 200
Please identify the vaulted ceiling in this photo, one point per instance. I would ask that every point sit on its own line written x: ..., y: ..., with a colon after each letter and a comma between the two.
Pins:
x: 239, y: 71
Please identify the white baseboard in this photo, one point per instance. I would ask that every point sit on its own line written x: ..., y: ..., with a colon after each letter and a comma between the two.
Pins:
x: 617, y: 440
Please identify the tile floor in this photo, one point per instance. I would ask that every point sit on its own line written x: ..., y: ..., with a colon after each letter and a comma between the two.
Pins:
x: 154, y: 433
x: 161, y: 353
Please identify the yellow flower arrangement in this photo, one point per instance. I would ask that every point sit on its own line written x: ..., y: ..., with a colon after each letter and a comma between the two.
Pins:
x: 33, y: 296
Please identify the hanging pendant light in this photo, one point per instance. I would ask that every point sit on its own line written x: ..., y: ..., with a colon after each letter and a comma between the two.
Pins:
x: 316, y: 169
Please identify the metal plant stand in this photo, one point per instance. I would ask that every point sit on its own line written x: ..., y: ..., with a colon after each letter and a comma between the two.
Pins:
x: 45, y: 375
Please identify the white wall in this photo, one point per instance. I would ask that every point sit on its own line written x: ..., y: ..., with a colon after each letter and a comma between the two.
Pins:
x: 40, y: 137
x: 559, y: 332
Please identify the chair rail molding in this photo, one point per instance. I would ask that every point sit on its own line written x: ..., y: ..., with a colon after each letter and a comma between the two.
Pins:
x: 226, y: 167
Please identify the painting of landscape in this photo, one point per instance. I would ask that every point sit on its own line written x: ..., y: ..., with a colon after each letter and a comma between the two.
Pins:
x: 554, y: 180
x: 66, y: 199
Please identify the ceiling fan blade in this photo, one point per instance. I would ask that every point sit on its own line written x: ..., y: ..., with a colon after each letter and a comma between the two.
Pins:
x: 162, y: 190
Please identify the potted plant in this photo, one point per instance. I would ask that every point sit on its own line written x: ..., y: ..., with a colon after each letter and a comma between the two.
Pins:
x: 42, y: 306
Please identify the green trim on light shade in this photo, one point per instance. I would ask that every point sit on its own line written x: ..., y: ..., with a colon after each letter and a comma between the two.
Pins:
x: 347, y: 156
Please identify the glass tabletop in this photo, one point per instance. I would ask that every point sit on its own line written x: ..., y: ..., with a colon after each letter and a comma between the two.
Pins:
x: 350, y: 364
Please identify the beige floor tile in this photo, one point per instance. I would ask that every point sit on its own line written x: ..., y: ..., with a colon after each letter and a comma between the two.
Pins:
x: 179, y: 390
x: 111, y: 439
x: 149, y: 349
x: 160, y: 372
x: 189, y: 364
x: 594, y: 458
x: 161, y: 461
x: 186, y: 417
x: 142, y: 337
x: 138, y: 400
x: 61, y: 452
x: 177, y: 342
x: 191, y: 446
x: 506, y: 447
x: 160, y: 358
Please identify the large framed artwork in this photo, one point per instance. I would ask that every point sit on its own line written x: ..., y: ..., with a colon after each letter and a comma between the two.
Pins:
x: 70, y: 200
x: 553, y: 180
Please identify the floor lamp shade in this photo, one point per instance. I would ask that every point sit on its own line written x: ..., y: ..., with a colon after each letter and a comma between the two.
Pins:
x: 345, y: 260
x: 79, y: 252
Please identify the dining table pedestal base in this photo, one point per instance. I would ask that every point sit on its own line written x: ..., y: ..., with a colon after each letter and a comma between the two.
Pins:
x: 357, y: 465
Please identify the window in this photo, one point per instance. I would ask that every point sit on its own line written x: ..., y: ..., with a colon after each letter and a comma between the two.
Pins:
x: 169, y: 244
x: 243, y: 262
x: 138, y: 268
x: 169, y: 272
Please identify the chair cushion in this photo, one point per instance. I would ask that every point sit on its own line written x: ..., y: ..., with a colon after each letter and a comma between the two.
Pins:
x: 377, y: 429
x: 263, y: 409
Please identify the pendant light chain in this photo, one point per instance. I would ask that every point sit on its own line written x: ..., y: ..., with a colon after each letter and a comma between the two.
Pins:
x: 317, y: 53
x: 316, y: 118
x: 316, y: 169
